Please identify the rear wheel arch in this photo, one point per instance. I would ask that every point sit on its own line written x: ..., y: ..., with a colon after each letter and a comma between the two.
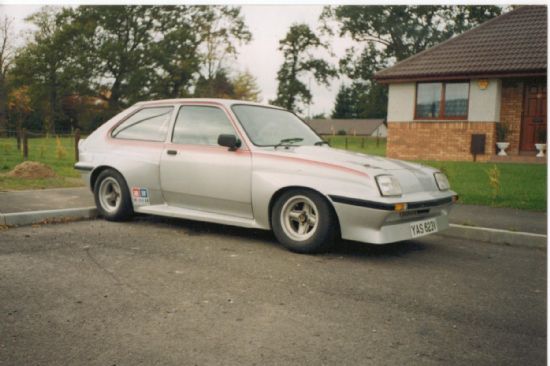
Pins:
x: 105, y: 183
x: 97, y: 171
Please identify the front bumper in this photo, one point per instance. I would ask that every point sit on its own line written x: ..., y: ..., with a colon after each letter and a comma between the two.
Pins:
x: 379, y: 223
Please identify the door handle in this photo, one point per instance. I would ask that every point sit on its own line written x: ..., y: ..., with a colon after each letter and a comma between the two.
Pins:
x: 171, y: 152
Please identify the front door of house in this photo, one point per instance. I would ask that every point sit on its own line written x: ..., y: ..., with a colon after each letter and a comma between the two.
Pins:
x: 533, y: 124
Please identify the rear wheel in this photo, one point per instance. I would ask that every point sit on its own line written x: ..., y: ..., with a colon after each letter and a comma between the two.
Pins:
x: 303, y: 221
x: 112, y: 196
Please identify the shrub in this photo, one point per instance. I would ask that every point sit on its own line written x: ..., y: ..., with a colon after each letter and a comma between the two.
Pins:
x: 541, y: 136
x: 502, y: 131
x: 60, y: 150
x: 494, y: 181
x: 342, y: 132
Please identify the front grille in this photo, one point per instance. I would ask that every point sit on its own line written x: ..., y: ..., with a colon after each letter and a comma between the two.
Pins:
x: 414, y: 213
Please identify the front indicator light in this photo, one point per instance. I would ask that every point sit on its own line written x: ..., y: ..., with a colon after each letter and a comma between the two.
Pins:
x: 400, y: 207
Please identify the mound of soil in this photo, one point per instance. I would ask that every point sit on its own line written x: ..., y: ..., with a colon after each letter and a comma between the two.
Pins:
x: 32, y: 170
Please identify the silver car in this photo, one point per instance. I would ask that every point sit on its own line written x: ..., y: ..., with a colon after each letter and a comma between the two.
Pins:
x: 257, y: 166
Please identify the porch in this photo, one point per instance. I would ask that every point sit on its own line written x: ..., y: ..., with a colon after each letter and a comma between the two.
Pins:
x: 523, y: 112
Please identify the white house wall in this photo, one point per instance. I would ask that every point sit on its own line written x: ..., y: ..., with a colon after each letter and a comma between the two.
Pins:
x: 401, y: 100
x: 484, y: 105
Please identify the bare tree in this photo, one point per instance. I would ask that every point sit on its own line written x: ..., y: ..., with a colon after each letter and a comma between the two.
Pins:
x: 6, y: 59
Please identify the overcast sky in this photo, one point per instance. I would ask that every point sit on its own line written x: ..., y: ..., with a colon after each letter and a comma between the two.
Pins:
x: 268, y: 24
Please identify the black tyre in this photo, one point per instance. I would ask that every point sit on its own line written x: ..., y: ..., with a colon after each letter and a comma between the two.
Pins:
x: 304, y: 222
x: 112, y: 196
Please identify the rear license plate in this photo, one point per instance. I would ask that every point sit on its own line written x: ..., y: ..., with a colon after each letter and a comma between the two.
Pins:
x: 423, y: 228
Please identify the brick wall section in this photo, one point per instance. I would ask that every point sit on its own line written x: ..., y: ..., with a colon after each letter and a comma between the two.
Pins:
x: 510, y: 111
x: 438, y: 140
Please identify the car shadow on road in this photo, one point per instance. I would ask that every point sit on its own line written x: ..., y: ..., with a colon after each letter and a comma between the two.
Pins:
x: 343, y: 248
x: 355, y: 249
x: 198, y: 228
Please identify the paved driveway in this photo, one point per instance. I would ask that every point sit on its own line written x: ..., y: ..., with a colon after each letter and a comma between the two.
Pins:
x: 173, y: 292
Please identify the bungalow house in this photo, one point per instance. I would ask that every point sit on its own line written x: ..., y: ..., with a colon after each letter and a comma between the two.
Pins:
x: 353, y: 127
x: 454, y: 95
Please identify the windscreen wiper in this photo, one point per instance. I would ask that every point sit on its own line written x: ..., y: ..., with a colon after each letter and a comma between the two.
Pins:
x: 288, y: 141
x: 320, y: 143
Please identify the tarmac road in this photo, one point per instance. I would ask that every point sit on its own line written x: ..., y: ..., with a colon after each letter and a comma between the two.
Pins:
x: 173, y: 292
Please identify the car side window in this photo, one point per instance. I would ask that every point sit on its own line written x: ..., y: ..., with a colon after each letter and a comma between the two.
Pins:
x: 148, y: 124
x: 201, y: 125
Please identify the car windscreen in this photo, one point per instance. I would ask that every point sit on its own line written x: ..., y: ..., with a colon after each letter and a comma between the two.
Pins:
x: 270, y: 126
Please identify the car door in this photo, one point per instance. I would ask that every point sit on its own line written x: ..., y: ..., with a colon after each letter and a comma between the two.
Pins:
x: 196, y: 173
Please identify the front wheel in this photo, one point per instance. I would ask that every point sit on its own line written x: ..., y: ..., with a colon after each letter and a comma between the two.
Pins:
x: 304, y: 222
x: 112, y: 196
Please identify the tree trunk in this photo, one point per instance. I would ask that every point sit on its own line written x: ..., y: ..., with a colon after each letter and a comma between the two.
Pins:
x: 50, y: 121
x: 53, y: 112
x: 3, y: 114
x: 115, y: 97
x: 3, y: 109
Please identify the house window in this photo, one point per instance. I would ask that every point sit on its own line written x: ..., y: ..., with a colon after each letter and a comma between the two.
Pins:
x: 442, y: 100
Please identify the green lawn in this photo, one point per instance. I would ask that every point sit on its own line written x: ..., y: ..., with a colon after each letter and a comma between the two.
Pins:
x: 367, y: 145
x: 522, y: 186
x: 43, y: 150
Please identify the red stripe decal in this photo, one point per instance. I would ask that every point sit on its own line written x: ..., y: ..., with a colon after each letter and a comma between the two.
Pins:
x: 313, y: 162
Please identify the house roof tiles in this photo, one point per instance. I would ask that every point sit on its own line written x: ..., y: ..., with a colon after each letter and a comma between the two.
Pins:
x: 513, y: 43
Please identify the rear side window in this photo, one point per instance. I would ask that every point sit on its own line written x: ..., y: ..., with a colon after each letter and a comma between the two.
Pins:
x: 148, y: 124
x: 200, y: 125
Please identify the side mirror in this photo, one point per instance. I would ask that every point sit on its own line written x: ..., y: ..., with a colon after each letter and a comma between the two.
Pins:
x: 230, y: 141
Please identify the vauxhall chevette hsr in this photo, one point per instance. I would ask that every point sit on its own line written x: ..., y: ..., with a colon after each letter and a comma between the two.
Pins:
x: 257, y: 166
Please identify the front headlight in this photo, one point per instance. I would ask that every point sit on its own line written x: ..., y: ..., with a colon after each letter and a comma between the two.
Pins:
x: 442, y: 181
x: 388, y: 185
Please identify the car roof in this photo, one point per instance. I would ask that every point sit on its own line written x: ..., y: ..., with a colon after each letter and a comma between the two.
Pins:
x: 224, y: 102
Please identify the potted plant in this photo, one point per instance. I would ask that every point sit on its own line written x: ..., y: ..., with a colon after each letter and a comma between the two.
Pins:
x: 502, y: 132
x: 541, y: 142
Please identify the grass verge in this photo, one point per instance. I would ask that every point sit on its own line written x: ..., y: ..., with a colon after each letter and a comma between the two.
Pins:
x: 45, y: 150
x: 366, y: 145
x: 521, y: 186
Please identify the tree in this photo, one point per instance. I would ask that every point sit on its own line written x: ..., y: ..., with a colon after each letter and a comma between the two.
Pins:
x: 403, y: 31
x: 297, y: 46
x: 47, y: 66
x: 245, y: 87
x: 123, y: 54
x: 175, y: 56
x: 6, y: 60
x: 391, y: 34
x: 158, y: 51
x: 19, y: 106
x: 221, y: 29
x: 242, y: 87
x: 219, y: 86
x: 119, y: 40
x: 345, y: 105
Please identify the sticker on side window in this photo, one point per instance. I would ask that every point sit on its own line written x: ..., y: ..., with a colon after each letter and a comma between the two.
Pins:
x: 140, y: 196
